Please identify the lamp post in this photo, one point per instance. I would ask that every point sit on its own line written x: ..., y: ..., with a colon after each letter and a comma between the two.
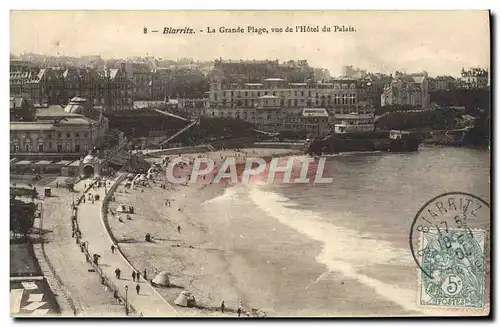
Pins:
x: 126, y: 300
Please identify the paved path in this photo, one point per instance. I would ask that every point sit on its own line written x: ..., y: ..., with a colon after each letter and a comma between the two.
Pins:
x: 147, y: 302
x: 85, y: 289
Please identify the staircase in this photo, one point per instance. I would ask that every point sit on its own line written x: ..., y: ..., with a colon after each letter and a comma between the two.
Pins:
x: 171, y: 115
x: 170, y: 138
x: 211, y: 148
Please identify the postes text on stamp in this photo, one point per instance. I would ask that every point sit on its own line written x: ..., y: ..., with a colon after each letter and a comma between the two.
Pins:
x: 455, y: 260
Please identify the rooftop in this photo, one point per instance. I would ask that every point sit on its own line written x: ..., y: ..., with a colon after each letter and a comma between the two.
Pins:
x: 314, y: 112
x: 54, y: 111
x: 75, y: 163
x: 43, y: 162
x: 31, y: 126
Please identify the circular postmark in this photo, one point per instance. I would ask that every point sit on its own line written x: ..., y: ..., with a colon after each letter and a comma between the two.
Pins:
x: 448, y: 241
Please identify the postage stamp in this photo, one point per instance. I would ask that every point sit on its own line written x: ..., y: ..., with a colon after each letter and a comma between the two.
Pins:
x: 449, y: 241
x: 455, y: 260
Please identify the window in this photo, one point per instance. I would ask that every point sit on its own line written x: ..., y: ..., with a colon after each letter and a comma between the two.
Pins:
x: 40, y: 147
x: 68, y: 135
x: 68, y: 147
x: 27, y: 147
x: 59, y: 147
x: 77, y: 148
x: 77, y: 135
x: 353, y: 99
x: 59, y: 134
x: 85, y: 135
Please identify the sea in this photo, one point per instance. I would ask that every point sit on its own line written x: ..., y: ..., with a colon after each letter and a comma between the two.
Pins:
x: 360, y: 224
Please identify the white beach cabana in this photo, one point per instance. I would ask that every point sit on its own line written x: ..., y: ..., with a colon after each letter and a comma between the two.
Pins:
x: 185, y: 299
x: 161, y: 279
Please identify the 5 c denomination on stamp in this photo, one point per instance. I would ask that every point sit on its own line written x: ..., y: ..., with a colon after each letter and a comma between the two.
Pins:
x: 449, y: 242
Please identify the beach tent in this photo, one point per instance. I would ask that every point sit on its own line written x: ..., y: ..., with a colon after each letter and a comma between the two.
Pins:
x: 185, y: 299
x: 161, y: 279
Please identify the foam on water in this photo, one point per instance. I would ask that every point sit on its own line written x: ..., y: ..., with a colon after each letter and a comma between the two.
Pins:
x: 228, y: 195
x: 344, y: 251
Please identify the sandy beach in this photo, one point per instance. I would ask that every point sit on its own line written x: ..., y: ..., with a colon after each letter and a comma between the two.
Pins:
x: 214, y: 256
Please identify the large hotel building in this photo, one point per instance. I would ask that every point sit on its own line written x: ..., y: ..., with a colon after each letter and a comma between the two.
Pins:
x: 274, y: 104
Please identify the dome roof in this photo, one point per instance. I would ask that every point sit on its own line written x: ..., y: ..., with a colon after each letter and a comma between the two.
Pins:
x: 76, y: 106
x: 162, y: 279
x: 89, y: 159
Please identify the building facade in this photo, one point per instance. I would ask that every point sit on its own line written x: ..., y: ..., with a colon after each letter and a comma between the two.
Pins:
x: 313, y: 122
x: 119, y: 90
x: 68, y: 131
x: 109, y: 88
x: 272, y: 101
x: 354, y: 123
x: 337, y: 94
x: 474, y: 78
x: 141, y: 75
x: 406, y: 90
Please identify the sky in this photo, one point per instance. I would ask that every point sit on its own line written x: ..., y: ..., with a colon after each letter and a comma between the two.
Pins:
x: 440, y: 42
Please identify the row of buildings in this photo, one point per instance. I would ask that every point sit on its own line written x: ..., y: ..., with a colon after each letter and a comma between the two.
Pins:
x: 114, y: 87
x: 58, y: 130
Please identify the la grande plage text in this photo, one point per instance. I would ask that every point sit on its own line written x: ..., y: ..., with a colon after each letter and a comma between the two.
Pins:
x: 286, y: 29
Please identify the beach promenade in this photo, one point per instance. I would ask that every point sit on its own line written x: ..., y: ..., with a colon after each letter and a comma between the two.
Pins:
x: 83, y: 288
x: 147, y: 302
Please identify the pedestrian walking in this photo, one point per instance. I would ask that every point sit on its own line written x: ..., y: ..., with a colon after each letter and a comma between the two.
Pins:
x: 144, y: 275
x: 240, y: 308
x: 179, y: 229
x: 133, y: 276
x: 222, y: 307
x: 113, y: 248
x: 83, y: 199
x: 117, y: 273
x: 137, y: 288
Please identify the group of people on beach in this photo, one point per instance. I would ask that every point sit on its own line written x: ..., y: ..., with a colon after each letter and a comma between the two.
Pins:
x: 136, y: 275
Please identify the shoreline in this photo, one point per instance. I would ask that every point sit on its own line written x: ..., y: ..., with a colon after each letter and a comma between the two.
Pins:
x: 211, y: 267
x: 228, y: 252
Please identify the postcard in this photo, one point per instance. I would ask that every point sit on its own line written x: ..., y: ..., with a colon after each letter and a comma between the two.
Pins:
x: 250, y: 164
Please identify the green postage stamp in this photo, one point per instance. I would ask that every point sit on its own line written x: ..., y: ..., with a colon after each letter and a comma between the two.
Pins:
x: 453, y: 268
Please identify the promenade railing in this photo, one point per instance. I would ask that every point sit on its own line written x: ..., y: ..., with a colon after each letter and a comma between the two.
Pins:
x: 84, y: 245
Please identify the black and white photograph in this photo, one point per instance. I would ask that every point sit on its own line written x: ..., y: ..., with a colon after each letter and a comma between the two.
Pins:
x: 250, y: 164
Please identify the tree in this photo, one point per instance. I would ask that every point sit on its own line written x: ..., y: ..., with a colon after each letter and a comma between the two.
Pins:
x: 22, y: 217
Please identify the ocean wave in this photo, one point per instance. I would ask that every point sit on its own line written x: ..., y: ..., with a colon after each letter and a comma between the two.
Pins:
x: 344, y: 250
